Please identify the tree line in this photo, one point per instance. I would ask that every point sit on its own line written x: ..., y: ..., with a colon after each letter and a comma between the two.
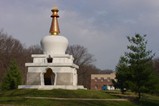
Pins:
x: 137, y: 69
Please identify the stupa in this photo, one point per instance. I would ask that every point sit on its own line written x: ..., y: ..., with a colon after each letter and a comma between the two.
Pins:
x: 54, y: 69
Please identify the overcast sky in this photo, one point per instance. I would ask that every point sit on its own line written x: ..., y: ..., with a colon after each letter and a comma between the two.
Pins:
x: 99, y: 25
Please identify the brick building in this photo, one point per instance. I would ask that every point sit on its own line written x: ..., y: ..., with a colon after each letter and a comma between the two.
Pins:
x: 102, y: 81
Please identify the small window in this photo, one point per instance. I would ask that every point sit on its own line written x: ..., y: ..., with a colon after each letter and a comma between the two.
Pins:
x: 108, y: 79
x: 102, y: 80
x: 49, y: 59
x: 95, y: 79
x: 96, y: 86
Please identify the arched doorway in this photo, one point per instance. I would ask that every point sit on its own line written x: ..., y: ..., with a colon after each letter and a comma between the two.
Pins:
x: 49, y: 77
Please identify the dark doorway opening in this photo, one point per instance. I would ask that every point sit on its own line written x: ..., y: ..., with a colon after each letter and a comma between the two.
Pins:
x: 48, y: 81
x: 49, y: 77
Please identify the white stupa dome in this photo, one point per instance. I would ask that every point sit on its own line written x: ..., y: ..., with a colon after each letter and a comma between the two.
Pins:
x: 54, y: 44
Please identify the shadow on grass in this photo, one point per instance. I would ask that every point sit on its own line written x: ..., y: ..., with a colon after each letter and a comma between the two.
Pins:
x: 12, y: 100
x: 146, y: 102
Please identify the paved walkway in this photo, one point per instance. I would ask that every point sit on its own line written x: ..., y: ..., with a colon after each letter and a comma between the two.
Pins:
x: 84, y: 99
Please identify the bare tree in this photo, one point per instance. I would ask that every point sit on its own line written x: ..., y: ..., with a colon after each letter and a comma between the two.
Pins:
x: 80, y: 54
x: 84, y: 75
x: 10, y: 48
x: 84, y: 60
x: 35, y: 49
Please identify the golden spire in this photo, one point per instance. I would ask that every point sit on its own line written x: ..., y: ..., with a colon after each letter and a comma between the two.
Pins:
x: 54, y: 28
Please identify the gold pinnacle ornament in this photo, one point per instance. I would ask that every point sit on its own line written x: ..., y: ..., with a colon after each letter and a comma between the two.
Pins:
x: 54, y: 28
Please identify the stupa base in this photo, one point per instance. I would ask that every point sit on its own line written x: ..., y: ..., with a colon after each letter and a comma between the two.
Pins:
x: 50, y: 87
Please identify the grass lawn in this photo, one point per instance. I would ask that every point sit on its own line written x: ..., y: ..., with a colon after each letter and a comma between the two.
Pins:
x: 49, y: 102
x: 57, y: 93
x: 17, y: 98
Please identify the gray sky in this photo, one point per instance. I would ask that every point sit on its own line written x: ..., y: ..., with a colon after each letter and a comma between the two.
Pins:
x: 99, y: 25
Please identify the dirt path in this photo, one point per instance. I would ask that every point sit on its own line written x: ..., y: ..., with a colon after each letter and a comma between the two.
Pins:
x: 84, y: 99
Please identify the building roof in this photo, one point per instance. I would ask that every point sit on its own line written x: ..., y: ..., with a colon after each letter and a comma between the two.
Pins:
x: 105, y: 76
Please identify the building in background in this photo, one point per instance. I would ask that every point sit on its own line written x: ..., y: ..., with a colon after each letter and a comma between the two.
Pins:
x: 102, y: 81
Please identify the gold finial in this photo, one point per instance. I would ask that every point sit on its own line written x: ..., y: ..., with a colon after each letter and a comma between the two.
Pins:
x: 54, y: 28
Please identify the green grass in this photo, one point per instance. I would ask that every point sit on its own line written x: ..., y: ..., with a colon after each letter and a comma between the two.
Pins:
x: 146, y: 100
x: 17, y: 98
x: 57, y: 93
x: 49, y: 102
x: 149, y: 100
